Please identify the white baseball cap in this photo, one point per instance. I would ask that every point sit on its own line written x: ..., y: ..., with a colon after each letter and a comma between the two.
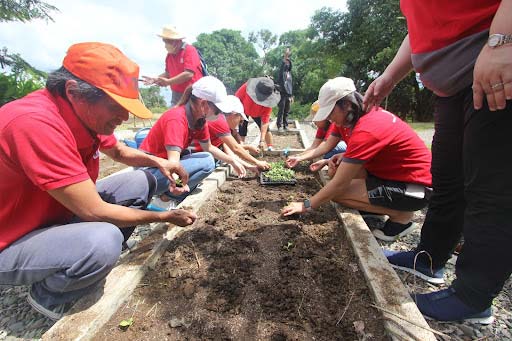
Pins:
x: 233, y: 104
x: 331, y: 92
x: 210, y: 89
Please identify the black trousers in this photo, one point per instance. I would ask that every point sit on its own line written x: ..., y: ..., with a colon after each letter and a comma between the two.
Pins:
x: 284, y: 109
x: 472, y: 181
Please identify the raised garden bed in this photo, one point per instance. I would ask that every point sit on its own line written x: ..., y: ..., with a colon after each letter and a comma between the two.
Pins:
x: 278, y: 175
x: 289, y: 140
x: 242, y: 272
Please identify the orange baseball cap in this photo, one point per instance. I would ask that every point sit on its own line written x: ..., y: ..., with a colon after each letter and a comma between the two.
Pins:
x: 108, y: 69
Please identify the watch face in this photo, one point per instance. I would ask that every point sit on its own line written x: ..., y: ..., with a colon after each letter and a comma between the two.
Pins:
x: 494, y: 40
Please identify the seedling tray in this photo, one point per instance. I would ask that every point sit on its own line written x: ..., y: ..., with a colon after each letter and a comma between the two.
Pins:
x: 264, y: 180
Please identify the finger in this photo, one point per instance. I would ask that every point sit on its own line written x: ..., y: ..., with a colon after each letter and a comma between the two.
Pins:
x: 499, y: 95
x: 489, y: 94
x: 478, y: 95
x: 508, y: 89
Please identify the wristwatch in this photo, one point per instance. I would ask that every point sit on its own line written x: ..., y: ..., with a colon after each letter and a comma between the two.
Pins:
x: 499, y: 39
x: 307, y: 205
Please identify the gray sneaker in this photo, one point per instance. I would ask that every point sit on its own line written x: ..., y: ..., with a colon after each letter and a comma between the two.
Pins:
x: 54, y: 313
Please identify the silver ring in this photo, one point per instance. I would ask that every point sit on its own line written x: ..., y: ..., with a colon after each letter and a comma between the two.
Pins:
x: 497, y: 86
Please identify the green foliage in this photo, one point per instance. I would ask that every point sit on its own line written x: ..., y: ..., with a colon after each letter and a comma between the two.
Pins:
x: 279, y: 172
x: 12, y: 87
x: 229, y: 57
x: 25, y: 10
x: 265, y: 40
x: 299, y: 111
x: 153, y: 99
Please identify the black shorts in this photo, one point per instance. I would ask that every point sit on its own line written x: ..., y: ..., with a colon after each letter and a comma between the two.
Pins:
x: 392, y: 194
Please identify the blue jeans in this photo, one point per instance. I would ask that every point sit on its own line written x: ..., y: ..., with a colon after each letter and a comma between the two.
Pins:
x: 341, y: 147
x: 66, y: 262
x: 198, y: 166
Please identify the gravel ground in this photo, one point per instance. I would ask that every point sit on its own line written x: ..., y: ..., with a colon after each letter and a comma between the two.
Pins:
x: 18, y: 321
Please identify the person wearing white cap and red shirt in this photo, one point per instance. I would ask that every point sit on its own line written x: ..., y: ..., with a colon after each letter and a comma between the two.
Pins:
x: 182, y: 64
x: 385, y: 169
x: 173, y: 133
x: 222, y: 128
x: 258, y: 96
x: 60, y: 230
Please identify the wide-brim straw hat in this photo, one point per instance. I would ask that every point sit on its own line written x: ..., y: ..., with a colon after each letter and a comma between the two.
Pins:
x: 170, y: 32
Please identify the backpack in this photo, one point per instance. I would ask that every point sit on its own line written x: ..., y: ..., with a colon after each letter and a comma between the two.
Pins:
x: 204, y: 67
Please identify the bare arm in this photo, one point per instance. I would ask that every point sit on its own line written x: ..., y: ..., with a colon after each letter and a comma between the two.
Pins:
x: 399, y: 67
x: 323, y: 147
x: 83, y: 200
x: 134, y: 157
x: 239, y: 150
x: 220, y: 155
x: 344, y: 175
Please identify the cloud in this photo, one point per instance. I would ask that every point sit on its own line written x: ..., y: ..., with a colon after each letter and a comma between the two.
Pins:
x: 132, y: 25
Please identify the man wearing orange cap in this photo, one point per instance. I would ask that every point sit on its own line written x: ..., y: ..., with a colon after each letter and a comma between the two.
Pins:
x: 182, y: 64
x: 59, y: 231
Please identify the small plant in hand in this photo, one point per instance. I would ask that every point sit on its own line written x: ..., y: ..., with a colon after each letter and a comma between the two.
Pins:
x: 278, y: 172
x: 177, y: 180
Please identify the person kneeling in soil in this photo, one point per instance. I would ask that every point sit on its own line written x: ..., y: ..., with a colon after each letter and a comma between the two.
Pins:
x: 386, y: 168
x: 173, y: 133
x: 258, y: 96
x: 221, y: 131
x: 59, y: 231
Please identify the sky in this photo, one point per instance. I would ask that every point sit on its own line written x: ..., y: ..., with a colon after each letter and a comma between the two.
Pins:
x: 133, y: 25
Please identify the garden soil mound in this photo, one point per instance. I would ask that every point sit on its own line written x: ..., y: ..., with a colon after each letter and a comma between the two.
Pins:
x: 242, y: 272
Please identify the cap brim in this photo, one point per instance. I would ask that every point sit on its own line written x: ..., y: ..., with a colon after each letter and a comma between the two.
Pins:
x: 171, y: 38
x: 133, y: 105
x: 323, y: 112
x: 266, y: 101
x: 224, y: 106
x: 244, y: 116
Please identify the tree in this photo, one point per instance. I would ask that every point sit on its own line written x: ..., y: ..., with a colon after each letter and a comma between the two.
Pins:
x: 152, y: 97
x: 265, y: 40
x: 25, y: 10
x: 229, y: 57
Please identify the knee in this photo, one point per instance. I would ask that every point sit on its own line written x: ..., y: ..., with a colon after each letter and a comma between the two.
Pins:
x: 208, y: 163
x: 104, y: 244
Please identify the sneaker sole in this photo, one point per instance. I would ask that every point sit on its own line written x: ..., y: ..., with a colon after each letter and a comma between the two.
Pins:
x: 479, y: 320
x: 379, y: 234
x: 429, y: 279
x: 43, y: 311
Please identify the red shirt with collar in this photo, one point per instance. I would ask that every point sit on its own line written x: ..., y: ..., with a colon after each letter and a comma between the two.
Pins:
x: 43, y: 146
x: 250, y: 107
x: 388, y: 148
x: 172, y: 132
x: 216, y: 129
x: 186, y: 58
x: 435, y: 24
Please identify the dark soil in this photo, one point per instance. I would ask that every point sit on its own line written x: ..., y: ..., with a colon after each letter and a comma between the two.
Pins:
x: 242, y: 272
x: 287, y: 140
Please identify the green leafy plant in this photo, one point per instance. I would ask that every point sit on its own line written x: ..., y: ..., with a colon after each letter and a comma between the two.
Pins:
x: 278, y: 172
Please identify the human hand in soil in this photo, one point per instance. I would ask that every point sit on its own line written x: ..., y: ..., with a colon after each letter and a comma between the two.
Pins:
x: 292, y: 161
x: 179, y: 217
x: 292, y: 208
x: 317, y: 165
x: 261, y: 146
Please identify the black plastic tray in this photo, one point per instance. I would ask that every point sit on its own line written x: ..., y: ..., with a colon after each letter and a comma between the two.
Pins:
x: 264, y: 180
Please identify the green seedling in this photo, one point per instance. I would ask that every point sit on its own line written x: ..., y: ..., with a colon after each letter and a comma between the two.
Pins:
x: 278, y: 172
x: 288, y: 246
x: 178, y: 181
x: 125, y: 324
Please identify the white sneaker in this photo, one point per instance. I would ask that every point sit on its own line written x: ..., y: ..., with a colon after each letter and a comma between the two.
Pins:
x: 158, y: 204
x: 270, y: 148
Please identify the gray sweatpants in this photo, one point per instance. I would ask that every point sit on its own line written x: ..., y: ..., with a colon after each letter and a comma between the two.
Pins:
x: 65, y: 262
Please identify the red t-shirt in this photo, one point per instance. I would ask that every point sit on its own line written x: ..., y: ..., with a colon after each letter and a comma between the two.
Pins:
x: 250, y: 107
x: 43, y: 146
x: 187, y: 58
x: 216, y: 129
x: 435, y: 24
x: 172, y: 131
x: 388, y: 148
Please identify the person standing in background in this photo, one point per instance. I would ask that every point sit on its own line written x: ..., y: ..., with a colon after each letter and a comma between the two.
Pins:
x: 182, y: 64
x: 284, y: 81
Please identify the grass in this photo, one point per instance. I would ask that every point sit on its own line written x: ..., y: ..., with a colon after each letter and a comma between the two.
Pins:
x: 417, y: 126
